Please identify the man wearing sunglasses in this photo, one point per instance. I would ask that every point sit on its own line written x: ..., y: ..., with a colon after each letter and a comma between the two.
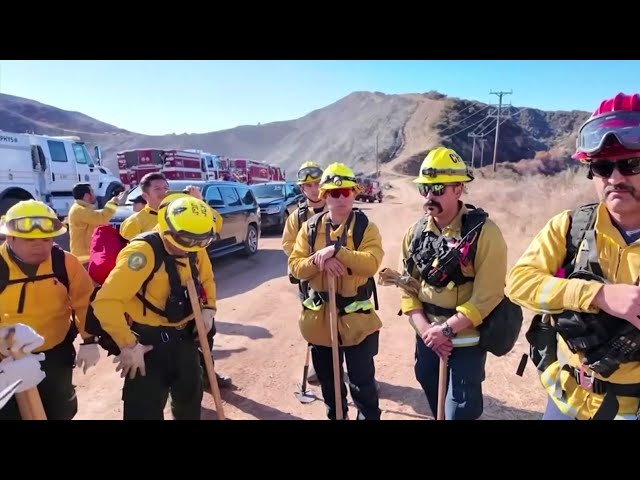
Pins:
x: 44, y: 284
x: 334, y: 248
x: 158, y: 351
x: 309, y: 175
x: 581, y: 273
x: 460, y: 258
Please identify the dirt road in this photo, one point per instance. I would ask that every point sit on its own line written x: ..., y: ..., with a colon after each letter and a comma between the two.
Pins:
x: 259, y: 345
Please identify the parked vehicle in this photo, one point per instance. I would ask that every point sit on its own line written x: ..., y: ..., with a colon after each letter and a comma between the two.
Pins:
x: 372, y: 190
x: 234, y: 201
x: 46, y: 168
x: 277, y: 201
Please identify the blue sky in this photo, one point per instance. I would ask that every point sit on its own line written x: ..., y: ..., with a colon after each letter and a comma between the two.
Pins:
x: 157, y: 97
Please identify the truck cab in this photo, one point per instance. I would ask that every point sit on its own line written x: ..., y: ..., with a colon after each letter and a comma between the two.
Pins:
x: 46, y: 168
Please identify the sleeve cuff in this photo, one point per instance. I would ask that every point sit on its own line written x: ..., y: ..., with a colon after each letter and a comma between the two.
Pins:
x: 580, y: 294
x: 126, y: 338
x: 111, y: 205
x: 471, y: 312
x: 407, y: 304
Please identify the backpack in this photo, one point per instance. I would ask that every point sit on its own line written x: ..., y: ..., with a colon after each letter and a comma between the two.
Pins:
x: 361, y: 223
x: 106, y: 244
x: 178, y: 305
x: 541, y: 334
x: 500, y: 329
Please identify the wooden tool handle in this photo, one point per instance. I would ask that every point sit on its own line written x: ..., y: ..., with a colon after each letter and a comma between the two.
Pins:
x: 29, y: 401
x: 333, y: 321
x: 206, y: 348
x: 442, y: 387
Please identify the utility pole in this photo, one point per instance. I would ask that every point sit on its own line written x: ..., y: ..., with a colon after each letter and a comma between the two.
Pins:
x: 495, y: 147
x: 473, y: 153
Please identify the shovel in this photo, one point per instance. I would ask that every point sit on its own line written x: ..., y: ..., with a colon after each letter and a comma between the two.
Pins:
x: 303, y: 395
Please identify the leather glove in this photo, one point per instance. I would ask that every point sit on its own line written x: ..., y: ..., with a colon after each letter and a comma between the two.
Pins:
x: 27, y: 369
x: 88, y: 356
x: 25, y: 339
x: 131, y: 359
x: 208, y: 316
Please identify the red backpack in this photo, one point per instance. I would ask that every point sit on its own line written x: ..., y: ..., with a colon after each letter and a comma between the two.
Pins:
x: 106, y: 243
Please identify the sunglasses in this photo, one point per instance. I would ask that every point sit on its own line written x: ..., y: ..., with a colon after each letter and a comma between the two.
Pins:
x: 337, y: 192
x: 437, y: 189
x: 605, y: 168
x: 29, y: 224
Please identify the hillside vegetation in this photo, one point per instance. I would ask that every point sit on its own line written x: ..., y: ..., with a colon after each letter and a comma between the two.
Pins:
x: 407, y: 126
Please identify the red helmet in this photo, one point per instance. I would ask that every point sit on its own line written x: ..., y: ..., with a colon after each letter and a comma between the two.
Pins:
x: 612, y: 131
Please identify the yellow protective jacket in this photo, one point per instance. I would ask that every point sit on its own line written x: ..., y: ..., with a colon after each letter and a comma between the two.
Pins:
x: 292, y: 227
x: 118, y: 294
x: 533, y: 285
x: 47, y: 304
x: 140, y: 222
x: 355, y: 326
x: 474, y: 299
x: 83, y: 219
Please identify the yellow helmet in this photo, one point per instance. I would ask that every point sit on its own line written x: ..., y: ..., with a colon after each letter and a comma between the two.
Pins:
x: 443, y: 165
x: 174, y: 196
x: 338, y: 175
x: 31, y: 219
x: 187, y: 223
x: 309, y: 172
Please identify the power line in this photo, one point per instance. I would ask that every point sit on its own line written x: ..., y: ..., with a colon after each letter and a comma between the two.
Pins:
x: 495, y: 147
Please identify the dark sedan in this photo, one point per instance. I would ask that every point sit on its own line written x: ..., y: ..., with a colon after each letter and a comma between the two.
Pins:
x: 277, y: 201
x: 234, y: 201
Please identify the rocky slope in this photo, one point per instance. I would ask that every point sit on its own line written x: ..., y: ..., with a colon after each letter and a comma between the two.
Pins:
x: 406, y: 127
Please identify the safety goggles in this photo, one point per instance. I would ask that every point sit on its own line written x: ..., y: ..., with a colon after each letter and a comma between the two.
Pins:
x: 605, y: 168
x: 624, y: 126
x: 29, y: 224
x: 309, y: 173
x: 338, y: 192
x: 189, y: 239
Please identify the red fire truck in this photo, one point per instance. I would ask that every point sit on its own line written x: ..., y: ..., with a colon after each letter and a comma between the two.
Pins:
x: 174, y: 164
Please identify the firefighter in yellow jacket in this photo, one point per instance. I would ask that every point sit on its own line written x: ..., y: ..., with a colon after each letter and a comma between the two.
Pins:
x: 154, y: 188
x: 345, y: 244
x: 309, y: 175
x: 460, y: 258
x: 41, y: 287
x: 580, y: 274
x: 84, y: 218
x: 159, y: 351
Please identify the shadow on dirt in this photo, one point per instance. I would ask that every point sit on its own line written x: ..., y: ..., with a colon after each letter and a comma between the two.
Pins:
x: 251, y: 331
x: 219, y: 354
x: 235, y: 276
x: 494, y: 409
x: 249, y: 406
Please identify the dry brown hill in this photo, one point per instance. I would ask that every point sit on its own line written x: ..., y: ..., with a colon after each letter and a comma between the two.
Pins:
x: 406, y: 126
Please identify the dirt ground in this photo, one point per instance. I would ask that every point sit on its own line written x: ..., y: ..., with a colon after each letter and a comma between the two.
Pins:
x: 259, y: 345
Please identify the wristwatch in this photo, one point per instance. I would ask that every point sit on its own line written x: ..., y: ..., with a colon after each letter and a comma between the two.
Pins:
x: 447, y: 331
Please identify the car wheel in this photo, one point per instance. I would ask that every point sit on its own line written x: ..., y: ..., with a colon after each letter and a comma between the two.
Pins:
x: 251, y: 242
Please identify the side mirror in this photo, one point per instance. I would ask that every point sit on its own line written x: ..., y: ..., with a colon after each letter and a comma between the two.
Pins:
x: 98, y: 154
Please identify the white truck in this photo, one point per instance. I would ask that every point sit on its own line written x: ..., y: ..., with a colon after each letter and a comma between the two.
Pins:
x: 46, y: 168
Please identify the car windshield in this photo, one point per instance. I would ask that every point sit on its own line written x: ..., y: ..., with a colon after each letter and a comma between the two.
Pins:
x: 268, y: 190
x: 174, y: 186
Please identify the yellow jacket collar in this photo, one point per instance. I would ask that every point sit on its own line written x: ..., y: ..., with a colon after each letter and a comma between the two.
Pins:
x: 604, y: 226
x: 82, y: 203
